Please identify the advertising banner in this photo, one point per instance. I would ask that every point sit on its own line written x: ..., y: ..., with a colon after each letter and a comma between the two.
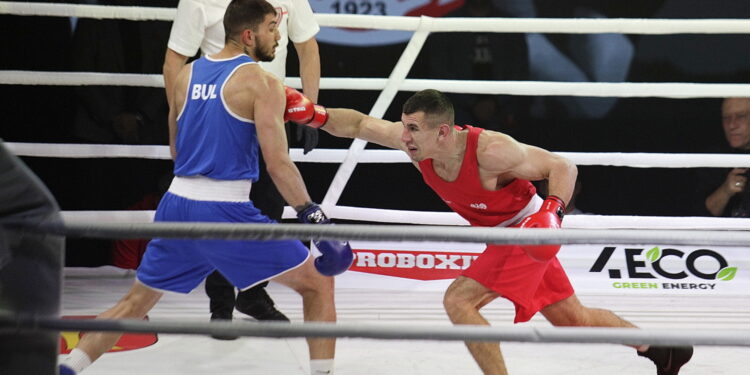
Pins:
x: 366, y: 37
x: 593, y: 269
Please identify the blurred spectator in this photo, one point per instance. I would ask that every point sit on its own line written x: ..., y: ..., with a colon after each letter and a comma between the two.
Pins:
x: 732, y: 197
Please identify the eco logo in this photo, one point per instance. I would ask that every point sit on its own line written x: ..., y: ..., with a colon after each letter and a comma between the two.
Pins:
x: 668, y: 263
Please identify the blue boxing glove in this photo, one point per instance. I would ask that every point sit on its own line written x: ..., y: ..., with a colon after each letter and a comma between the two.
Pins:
x: 336, y: 256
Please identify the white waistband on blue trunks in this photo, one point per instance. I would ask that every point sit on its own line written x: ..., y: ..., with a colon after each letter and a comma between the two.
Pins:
x: 202, y: 188
x: 535, y: 203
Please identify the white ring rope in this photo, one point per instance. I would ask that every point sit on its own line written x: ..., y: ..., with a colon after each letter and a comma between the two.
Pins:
x: 88, y: 11
x: 75, y: 151
x: 390, y: 233
x: 451, y: 218
x: 521, y: 88
x: 506, y: 25
x: 613, y: 159
x: 599, y: 335
x: 26, y: 77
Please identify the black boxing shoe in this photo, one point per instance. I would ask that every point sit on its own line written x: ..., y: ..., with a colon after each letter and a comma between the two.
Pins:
x: 223, y: 316
x: 668, y: 360
x: 259, y: 305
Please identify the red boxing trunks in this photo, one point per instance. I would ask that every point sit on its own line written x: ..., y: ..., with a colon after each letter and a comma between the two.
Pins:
x: 530, y: 285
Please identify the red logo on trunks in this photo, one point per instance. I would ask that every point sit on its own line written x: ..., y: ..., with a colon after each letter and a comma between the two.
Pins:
x: 128, y: 341
x: 410, y: 264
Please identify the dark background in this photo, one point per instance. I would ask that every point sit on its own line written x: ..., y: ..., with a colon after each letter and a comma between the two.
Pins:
x: 53, y: 114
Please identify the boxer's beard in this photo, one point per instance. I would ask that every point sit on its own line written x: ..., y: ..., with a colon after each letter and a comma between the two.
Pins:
x: 265, y: 55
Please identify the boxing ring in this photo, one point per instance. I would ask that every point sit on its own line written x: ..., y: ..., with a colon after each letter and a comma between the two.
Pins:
x: 373, y: 303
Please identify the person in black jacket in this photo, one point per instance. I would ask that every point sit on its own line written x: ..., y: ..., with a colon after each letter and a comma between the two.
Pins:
x: 732, y: 197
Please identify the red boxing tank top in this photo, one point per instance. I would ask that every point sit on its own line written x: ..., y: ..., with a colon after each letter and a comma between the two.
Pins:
x: 466, y: 195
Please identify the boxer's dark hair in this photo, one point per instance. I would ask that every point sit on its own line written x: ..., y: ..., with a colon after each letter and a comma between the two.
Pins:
x: 437, y: 108
x: 245, y: 14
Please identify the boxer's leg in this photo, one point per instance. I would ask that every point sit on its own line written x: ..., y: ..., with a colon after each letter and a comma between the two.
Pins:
x: 462, y: 302
x: 570, y: 312
x: 318, y: 306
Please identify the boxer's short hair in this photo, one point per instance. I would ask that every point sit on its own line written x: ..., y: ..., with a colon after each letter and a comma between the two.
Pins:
x: 436, y: 106
x: 245, y: 14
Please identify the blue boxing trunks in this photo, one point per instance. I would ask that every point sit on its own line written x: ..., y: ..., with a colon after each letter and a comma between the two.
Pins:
x: 181, y: 265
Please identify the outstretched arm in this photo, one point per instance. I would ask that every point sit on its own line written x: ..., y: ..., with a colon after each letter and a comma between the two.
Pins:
x: 348, y: 123
x: 341, y: 122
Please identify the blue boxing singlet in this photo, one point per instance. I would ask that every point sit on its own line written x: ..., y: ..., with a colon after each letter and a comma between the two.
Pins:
x: 211, y: 140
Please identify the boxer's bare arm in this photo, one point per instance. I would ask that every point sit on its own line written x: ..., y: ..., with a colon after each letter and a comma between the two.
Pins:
x: 501, y: 155
x: 269, y: 106
x: 349, y: 123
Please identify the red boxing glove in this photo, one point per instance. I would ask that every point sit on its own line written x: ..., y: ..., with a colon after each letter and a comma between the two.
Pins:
x: 301, y: 110
x: 549, y: 216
